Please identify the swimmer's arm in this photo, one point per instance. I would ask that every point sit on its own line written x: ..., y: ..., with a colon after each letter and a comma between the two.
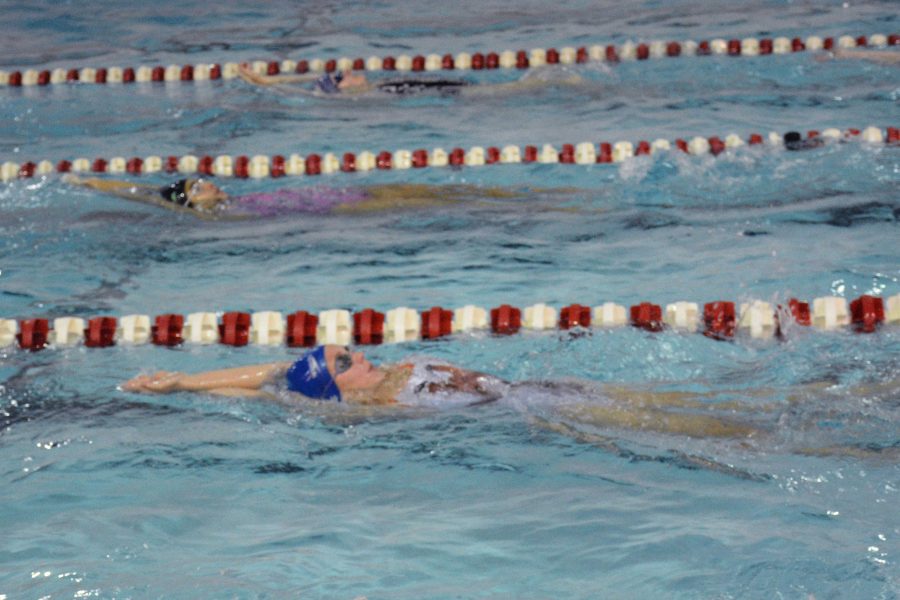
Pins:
x: 136, y: 192
x: 251, y: 76
x: 251, y: 377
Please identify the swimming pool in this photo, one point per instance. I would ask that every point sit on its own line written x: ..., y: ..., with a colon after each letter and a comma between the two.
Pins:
x: 106, y: 494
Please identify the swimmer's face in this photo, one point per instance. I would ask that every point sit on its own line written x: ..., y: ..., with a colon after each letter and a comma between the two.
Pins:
x: 351, y: 370
x: 205, y: 194
x: 353, y: 82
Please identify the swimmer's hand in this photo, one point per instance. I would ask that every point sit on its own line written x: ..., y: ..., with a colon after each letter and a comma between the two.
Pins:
x: 246, y: 72
x: 161, y: 382
x: 72, y: 179
x: 460, y: 380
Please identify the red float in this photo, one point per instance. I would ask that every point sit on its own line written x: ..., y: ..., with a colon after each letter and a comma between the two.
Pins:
x: 703, y: 49
x: 330, y: 65
x: 383, y: 160
x: 734, y: 47
x: 567, y: 154
x: 893, y: 135
x: 72, y: 75
x: 605, y: 154
x: 611, y: 55
x: 301, y: 329
x: 552, y: 56
x: 491, y: 60
x: 215, y: 72
x: 506, y: 320
x: 368, y: 327
x: 187, y: 73
x: 797, y: 45
x: 477, y: 61
x: 581, y: 55
x: 575, y: 315
x: 171, y: 164
x: 205, y: 165
x: 272, y: 68
x: 642, y: 52
x: 530, y: 154
x: 43, y: 78
x: 765, y: 46
x: 348, y: 163
x: 866, y: 313
x: 419, y: 158
x: 158, y: 74
x: 63, y: 166
x: 492, y: 155
x: 359, y: 64
x: 128, y: 75
x: 33, y: 334
x: 313, y: 164
x: 893, y: 39
x: 302, y: 67
x: 719, y: 319
x: 682, y: 145
x: 673, y: 49
x: 134, y: 166
x: 241, y: 167
x: 447, y: 62
x: 755, y: 139
x: 522, y: 61
x: 389, y: 64
x: 861, y: 41
x: 800, y: 312
x: 98, y: 166
x: 234, y: 330
x: 716, y: 146
x: 100, y: 76
x: 647, y: 316
x: 457, y: 157
x: 436, y: 322
x: 418, y: 63
x: 27, y: 170
x: 100, y: 332
x: 643, y: 147
x: 277, y: 168
x: 167, y: 330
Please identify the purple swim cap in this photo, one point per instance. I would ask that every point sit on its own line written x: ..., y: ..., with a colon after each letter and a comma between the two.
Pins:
x: 310, y: 376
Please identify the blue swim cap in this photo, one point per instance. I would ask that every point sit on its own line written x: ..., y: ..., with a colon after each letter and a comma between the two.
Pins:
x: 310, y: 376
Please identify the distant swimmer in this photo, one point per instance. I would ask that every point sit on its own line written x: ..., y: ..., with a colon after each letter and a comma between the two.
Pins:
x: 204, y: 199
x: 354, y: 83
x: 885, y: 57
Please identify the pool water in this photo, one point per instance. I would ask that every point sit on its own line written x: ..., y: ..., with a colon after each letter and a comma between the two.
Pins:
x: 114, y: 495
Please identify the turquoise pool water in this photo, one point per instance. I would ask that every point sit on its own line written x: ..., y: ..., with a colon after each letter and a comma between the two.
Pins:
x: 111, y: 495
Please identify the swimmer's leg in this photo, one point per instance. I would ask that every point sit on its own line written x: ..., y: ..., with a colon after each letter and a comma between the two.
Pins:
x: 676, y: 458
x: 639, y: 419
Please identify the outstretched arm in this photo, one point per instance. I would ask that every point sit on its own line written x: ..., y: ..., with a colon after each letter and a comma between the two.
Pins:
x: 136, y: 192
x: 229, y: 381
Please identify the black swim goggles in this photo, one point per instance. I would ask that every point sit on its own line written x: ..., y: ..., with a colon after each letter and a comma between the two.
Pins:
x: 343, y: 362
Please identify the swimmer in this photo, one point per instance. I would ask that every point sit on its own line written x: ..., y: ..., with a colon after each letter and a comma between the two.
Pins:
x: 204, y: 199
x: 885, y: 57
x: 352, y: 83
x: 336, y: 374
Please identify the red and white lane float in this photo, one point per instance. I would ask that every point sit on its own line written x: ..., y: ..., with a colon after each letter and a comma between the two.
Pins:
x: 463, y: 61
x: 721, y: 320
x: 584, y: 153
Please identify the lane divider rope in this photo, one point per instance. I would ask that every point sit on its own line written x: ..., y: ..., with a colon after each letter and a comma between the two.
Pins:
x: 720, y: 320
x: 507, y: 59
x: 278, y: 165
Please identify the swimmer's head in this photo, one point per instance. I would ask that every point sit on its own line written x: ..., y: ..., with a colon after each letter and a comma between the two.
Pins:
x: 793, y: 140
x: 329, y: 372
x: 196, y: 193
x: 204, y: 194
